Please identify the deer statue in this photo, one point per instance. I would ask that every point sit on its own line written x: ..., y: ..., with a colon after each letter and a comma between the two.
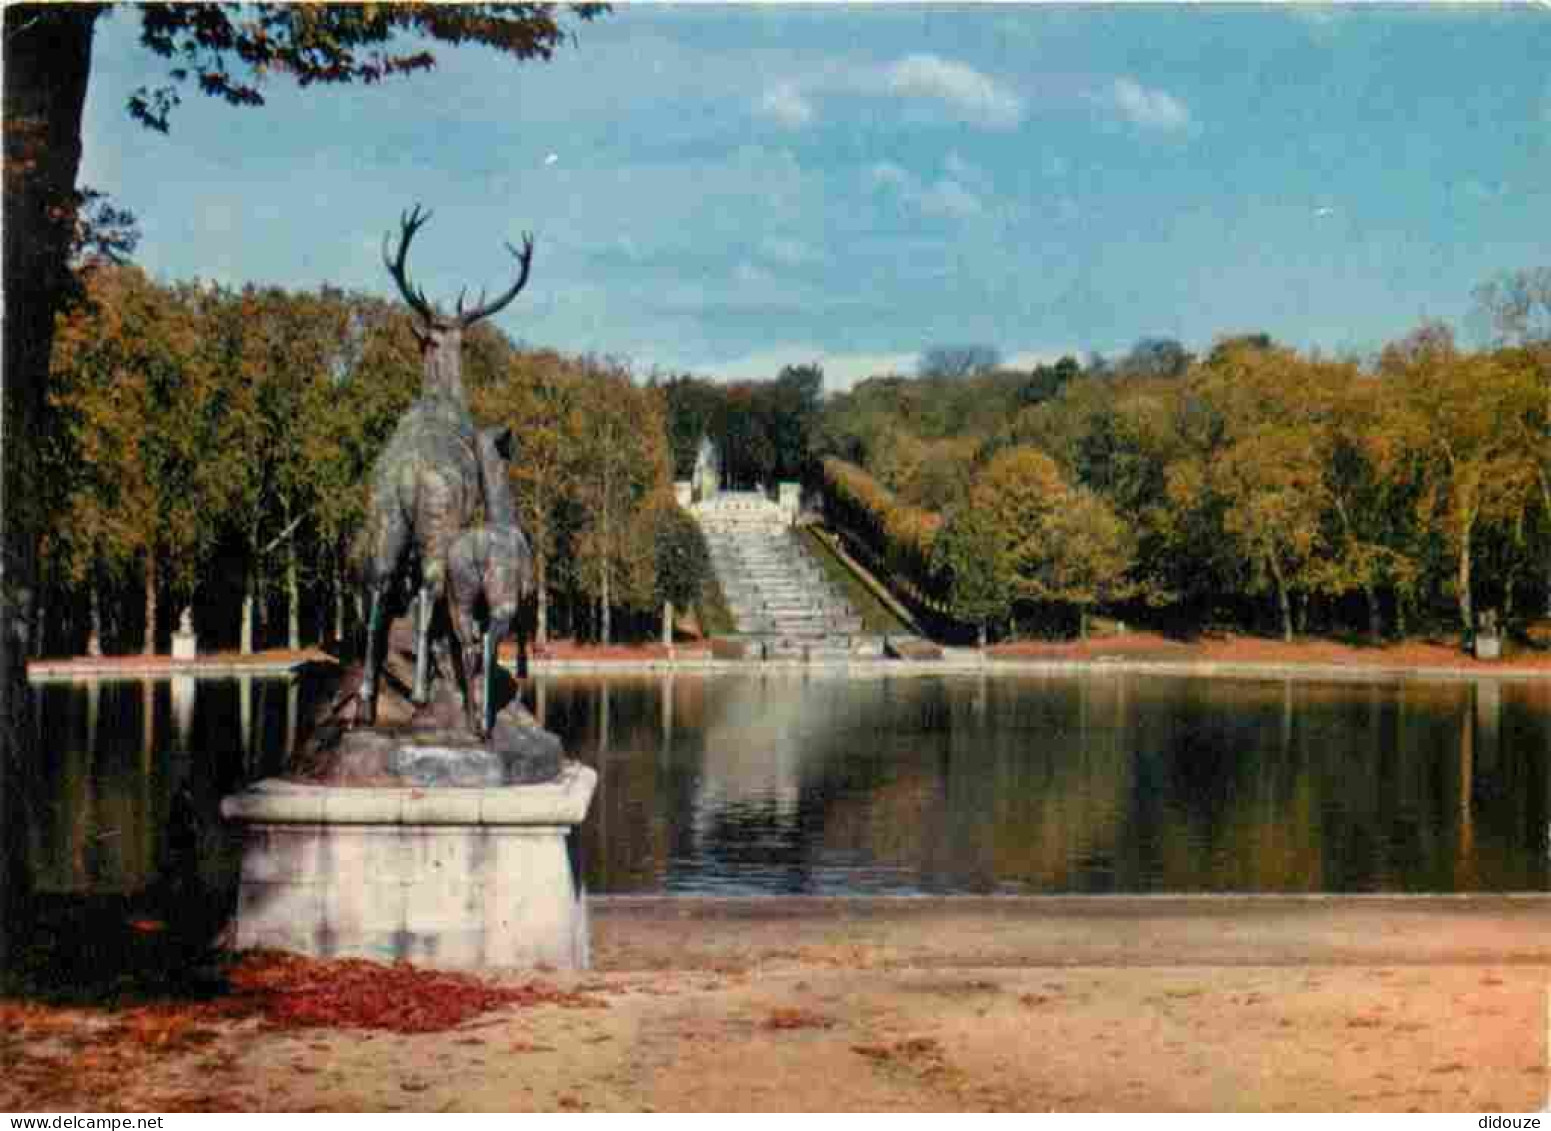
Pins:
x: 431, y: 484
x: 492, y: 566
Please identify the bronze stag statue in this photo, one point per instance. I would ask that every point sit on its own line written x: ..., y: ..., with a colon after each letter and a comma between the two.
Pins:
x: 440, y: 498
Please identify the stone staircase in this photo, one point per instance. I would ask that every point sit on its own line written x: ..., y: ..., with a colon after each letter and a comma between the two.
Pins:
x: 774, y: 589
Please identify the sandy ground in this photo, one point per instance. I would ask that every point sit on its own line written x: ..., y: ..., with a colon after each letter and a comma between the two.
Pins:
x: 1226, y: 1004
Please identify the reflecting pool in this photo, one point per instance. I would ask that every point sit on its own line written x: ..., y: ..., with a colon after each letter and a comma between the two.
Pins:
x: 815, y: 783
x: 1066, y: 783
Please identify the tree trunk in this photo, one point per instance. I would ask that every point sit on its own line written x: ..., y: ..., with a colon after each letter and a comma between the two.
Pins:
x: 261, y: 610
x: 48, y: 52
x: 94, y: 636
x: 340, y: 584
x: 1375, y: 614
x: 603, y: 612
x: 1283, y: 601
x: 1082, y: 623
x: 1467, y: 609
x: 667, y: 624
x: 603, y: 606
x: 293, y: 595
x: 246, y: 632
x: 149, y: 647
x: 1545, y: 504
x: 981, y: 636
x: 541, y: 595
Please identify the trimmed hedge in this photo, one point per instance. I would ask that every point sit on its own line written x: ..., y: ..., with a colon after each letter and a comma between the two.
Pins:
x: 893, y: 538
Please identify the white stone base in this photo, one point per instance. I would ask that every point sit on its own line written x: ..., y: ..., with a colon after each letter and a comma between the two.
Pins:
x: 461, y: 878
x: 185, y: 646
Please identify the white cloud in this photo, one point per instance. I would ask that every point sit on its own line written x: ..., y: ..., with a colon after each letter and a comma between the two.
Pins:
x: 923, y: 85
x: 845, y: 370
x: 786, y: 105
x: 842, y: 370
x: 979, y: 98
x: 1153, y: 109
x: 1030, y: 358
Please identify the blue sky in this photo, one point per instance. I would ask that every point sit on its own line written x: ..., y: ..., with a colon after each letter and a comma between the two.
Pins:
x: 730, y: 189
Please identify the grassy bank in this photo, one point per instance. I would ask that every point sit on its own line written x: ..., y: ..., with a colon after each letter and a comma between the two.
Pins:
x: 876, y: 616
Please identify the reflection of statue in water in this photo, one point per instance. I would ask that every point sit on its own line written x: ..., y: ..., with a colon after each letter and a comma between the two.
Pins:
x: 442, y: 520
x: 707, y: 479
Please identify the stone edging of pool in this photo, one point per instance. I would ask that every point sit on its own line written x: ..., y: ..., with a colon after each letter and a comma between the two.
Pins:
x: 955, y: 666
x: 81, y: 669
x: 969, y: 663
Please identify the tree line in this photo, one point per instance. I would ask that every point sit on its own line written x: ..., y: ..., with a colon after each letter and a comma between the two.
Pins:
x: 209, y: 448
x: 1255, y: 486
x: 762, y: 429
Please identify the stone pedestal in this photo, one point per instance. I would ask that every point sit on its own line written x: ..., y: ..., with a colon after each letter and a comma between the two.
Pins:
x: 460, y: 878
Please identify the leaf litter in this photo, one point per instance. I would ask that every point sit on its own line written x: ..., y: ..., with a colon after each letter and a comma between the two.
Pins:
x: 106, y: 1047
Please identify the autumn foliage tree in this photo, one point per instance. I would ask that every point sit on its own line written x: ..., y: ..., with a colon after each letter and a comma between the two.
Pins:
x: 966, y: 556
x: 1254, y: 482
x: 541, y: 399
x: 681, y: 559
x: 622, y: 461
x: 142, y: 407
x: 1454, y: 418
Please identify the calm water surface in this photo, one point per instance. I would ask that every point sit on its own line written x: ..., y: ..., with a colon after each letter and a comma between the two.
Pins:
x: 814, y: 783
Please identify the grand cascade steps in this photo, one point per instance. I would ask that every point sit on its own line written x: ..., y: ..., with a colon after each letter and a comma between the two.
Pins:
x: 773, y: 587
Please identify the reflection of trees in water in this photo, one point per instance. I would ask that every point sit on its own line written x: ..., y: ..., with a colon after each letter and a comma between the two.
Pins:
x: 1277, y: 786
x: 1062, y: 772
x: 94, y: 798
x: 1069, y: 783
x: 114, y: 753
x: 615, y: 726
x: 1226, y: 799
x: 993, y: 783
x: 1507, y: 789
x: 912, y: 782
x: 815, y: 783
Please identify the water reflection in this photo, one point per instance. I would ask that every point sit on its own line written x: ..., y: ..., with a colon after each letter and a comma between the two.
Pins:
x: 114, y: 754
x: 1094, y: 783
x: 805, y: 782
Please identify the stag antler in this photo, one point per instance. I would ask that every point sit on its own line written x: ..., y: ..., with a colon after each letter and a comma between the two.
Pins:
x: 409, y: 223
x: 484, y: 309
